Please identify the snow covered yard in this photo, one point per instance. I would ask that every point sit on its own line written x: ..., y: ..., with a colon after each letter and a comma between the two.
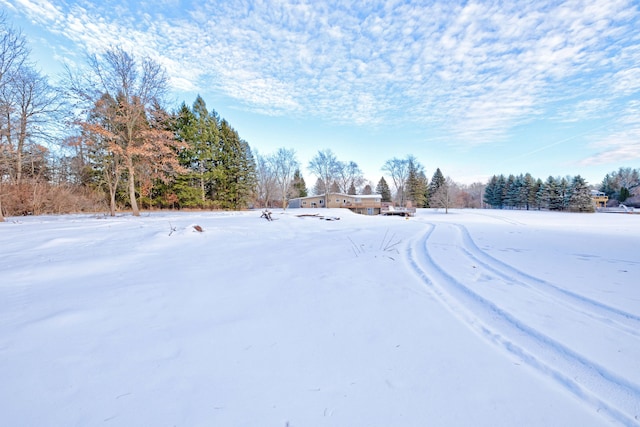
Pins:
x: 471, y: 318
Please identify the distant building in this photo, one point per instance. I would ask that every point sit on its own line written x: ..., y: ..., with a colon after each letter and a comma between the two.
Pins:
x: 599, y: 199
x: 361, y: 204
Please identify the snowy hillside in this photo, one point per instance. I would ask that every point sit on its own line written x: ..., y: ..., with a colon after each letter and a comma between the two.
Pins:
x: 477, y: 317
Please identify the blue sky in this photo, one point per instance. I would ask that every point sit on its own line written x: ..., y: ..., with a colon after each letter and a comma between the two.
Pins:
x: 475, y: 88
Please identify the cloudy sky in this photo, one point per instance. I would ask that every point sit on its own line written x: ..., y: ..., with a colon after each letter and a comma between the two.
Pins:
x: 473, y: 87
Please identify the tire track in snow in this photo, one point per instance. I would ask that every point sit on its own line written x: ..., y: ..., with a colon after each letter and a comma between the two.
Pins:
x: 594, y: 384
x: 596, y: 310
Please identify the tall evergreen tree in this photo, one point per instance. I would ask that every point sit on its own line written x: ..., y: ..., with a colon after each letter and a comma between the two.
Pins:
x: 437, y: 181
x: 417, y: 185
x: 383, y: 189
x: 200, y: 131
x: 564, y: 188
x: 234, y: 172
x: 490, y: 191
x: 511, y: 192
x: 298, y: 186
x: 608, y: 186
x: 553, y: 195
x: 580, y: 198
x: 529, y: 193
x: 535, y: 192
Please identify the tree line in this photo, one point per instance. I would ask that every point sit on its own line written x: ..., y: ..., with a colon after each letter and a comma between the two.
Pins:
x: 526, y: 192
x: 105, y: 140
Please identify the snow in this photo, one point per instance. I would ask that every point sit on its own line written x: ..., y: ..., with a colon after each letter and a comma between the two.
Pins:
x: 476, y: 317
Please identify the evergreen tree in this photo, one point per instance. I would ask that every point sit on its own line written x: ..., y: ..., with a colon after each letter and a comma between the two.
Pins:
x: 199, y: 131
x: 553, y: 196
x: 416, y: 186
x: 383, y: 189
x: 511, y: 192
x: 367, y: 191
x: 608, y: 186
x: 529, y: 191
x: 298, y: 186
x: 352, y: 189
x: 564, y: 189
x: 623, y: 194
x: 535, y: 194
x: 491, y: 190
x: 501, y: 191
x: 234, y: 172
x: 437, y: 181
x: 542, y: 199
x: 580, y: 198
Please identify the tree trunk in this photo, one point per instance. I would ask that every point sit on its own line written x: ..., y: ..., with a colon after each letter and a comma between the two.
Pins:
x: 112, y: 201
x: 132, y: 188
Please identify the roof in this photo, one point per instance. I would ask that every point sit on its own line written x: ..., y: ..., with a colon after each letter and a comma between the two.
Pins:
x: 360, y: 196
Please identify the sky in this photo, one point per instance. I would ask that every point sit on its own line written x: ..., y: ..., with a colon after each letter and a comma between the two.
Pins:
x: 475, y: 88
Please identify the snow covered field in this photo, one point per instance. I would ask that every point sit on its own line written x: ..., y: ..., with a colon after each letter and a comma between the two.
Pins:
x: 478, y: 317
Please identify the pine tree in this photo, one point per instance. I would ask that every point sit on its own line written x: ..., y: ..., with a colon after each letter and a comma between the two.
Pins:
x: 234, y: 171
x: 623, y: 195
x: 416, y: 186
x: 530, y: 189
x: 437, y: 181
x: 490, y: 193
x: 580, y: 198
x: 564, y: 190
x: 383, y: 189
x: 535, y: 192
x: 608, y: 185
x: 512, y: 191
x: 199, y: 129
x: 553, y: 196
x: 298, y: 186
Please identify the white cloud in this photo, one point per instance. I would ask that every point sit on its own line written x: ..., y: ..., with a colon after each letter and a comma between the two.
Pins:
x: 477, y: 69
x: 622, y: 143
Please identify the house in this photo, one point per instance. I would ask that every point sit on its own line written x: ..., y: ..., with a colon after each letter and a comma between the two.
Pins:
x: 361, y: 204
x: 599, y: 199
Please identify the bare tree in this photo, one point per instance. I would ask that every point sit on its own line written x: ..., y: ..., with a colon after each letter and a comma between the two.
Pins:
x: 266, y: 180
x: 399, y: 171
x: 121, y: 94
x: 34, y: 105
x: 13, y: 54
x: 349, y: 175
x: 324, y: 166
x: 470, y: 196
x: 444, y: 196
x: 284, y: 164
